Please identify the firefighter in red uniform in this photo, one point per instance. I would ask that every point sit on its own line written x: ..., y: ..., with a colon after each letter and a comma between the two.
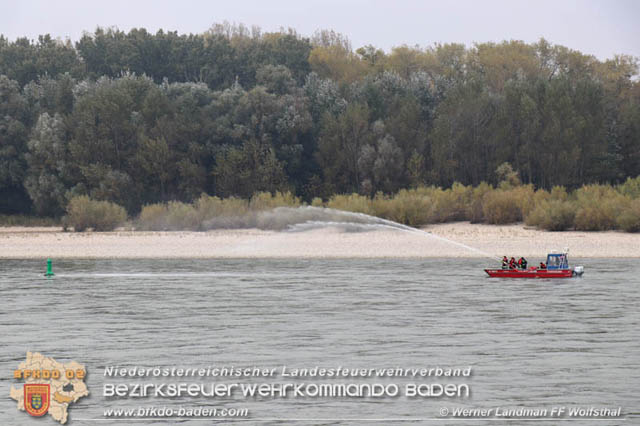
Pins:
x: 522, y: 263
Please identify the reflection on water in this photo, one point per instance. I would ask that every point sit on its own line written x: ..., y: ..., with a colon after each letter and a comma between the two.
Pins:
x: 534, y: 343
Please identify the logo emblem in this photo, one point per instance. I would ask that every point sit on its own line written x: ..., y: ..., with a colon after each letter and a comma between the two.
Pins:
x: 36, y: 399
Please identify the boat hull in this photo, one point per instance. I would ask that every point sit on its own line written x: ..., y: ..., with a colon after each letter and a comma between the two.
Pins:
x: 530, y: 273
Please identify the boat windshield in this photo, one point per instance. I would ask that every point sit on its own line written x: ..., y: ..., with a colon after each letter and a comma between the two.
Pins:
x: 557, y: 261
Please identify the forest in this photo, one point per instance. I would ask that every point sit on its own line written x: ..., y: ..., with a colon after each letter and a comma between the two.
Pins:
x: 136, y: 118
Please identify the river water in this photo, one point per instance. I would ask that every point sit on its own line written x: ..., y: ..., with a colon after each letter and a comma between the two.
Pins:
x: 529, y: 343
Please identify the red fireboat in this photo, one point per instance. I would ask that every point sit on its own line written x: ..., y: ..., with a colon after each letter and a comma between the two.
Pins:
x: 557, y: 266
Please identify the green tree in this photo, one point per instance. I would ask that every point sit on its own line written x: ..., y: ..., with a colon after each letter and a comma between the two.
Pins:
x: 464, y: 147
x: 25, y: 60
x: 381, y: 163
x: 154, y: 160
x: 340, y: 145
x: 247, y: 170
x: 48, y: 158
x: 14, y: 128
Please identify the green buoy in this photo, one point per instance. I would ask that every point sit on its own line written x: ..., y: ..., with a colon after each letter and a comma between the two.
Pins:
x: 49, y: 272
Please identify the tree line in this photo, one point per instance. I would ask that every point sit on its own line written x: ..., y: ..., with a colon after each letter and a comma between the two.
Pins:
x: 138, y: 118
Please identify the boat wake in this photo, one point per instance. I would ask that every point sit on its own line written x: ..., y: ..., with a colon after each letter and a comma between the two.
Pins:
x: 161, y: 274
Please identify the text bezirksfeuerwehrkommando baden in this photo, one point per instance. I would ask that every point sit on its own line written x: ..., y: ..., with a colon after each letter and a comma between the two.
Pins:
x: 283, y: 371
x: 284, y: 390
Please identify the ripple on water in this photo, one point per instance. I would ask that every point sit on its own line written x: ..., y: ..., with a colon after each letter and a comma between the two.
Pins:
x: 530, y: 343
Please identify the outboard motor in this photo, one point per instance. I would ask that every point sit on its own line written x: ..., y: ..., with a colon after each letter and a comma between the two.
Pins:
x: 578, y: 271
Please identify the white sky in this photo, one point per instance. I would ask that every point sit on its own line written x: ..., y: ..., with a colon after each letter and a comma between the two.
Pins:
x: 599, y: 27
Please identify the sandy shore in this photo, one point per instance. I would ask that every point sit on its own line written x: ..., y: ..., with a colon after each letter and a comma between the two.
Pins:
x: 516, y: 240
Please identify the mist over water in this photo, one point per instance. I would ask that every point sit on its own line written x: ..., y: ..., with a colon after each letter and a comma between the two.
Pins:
x: 287, y: 218
x: 306, y: 218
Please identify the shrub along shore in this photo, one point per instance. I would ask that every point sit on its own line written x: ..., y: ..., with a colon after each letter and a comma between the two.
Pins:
x: 589, y: 208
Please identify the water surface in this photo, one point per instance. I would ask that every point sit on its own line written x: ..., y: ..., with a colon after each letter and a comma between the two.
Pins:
x: 534, y: 343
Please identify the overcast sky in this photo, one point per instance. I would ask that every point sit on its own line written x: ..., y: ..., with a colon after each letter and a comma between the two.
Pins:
x: 599, y: 27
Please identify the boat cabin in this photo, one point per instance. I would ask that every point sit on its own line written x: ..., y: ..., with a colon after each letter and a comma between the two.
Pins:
x: 557, y: 261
